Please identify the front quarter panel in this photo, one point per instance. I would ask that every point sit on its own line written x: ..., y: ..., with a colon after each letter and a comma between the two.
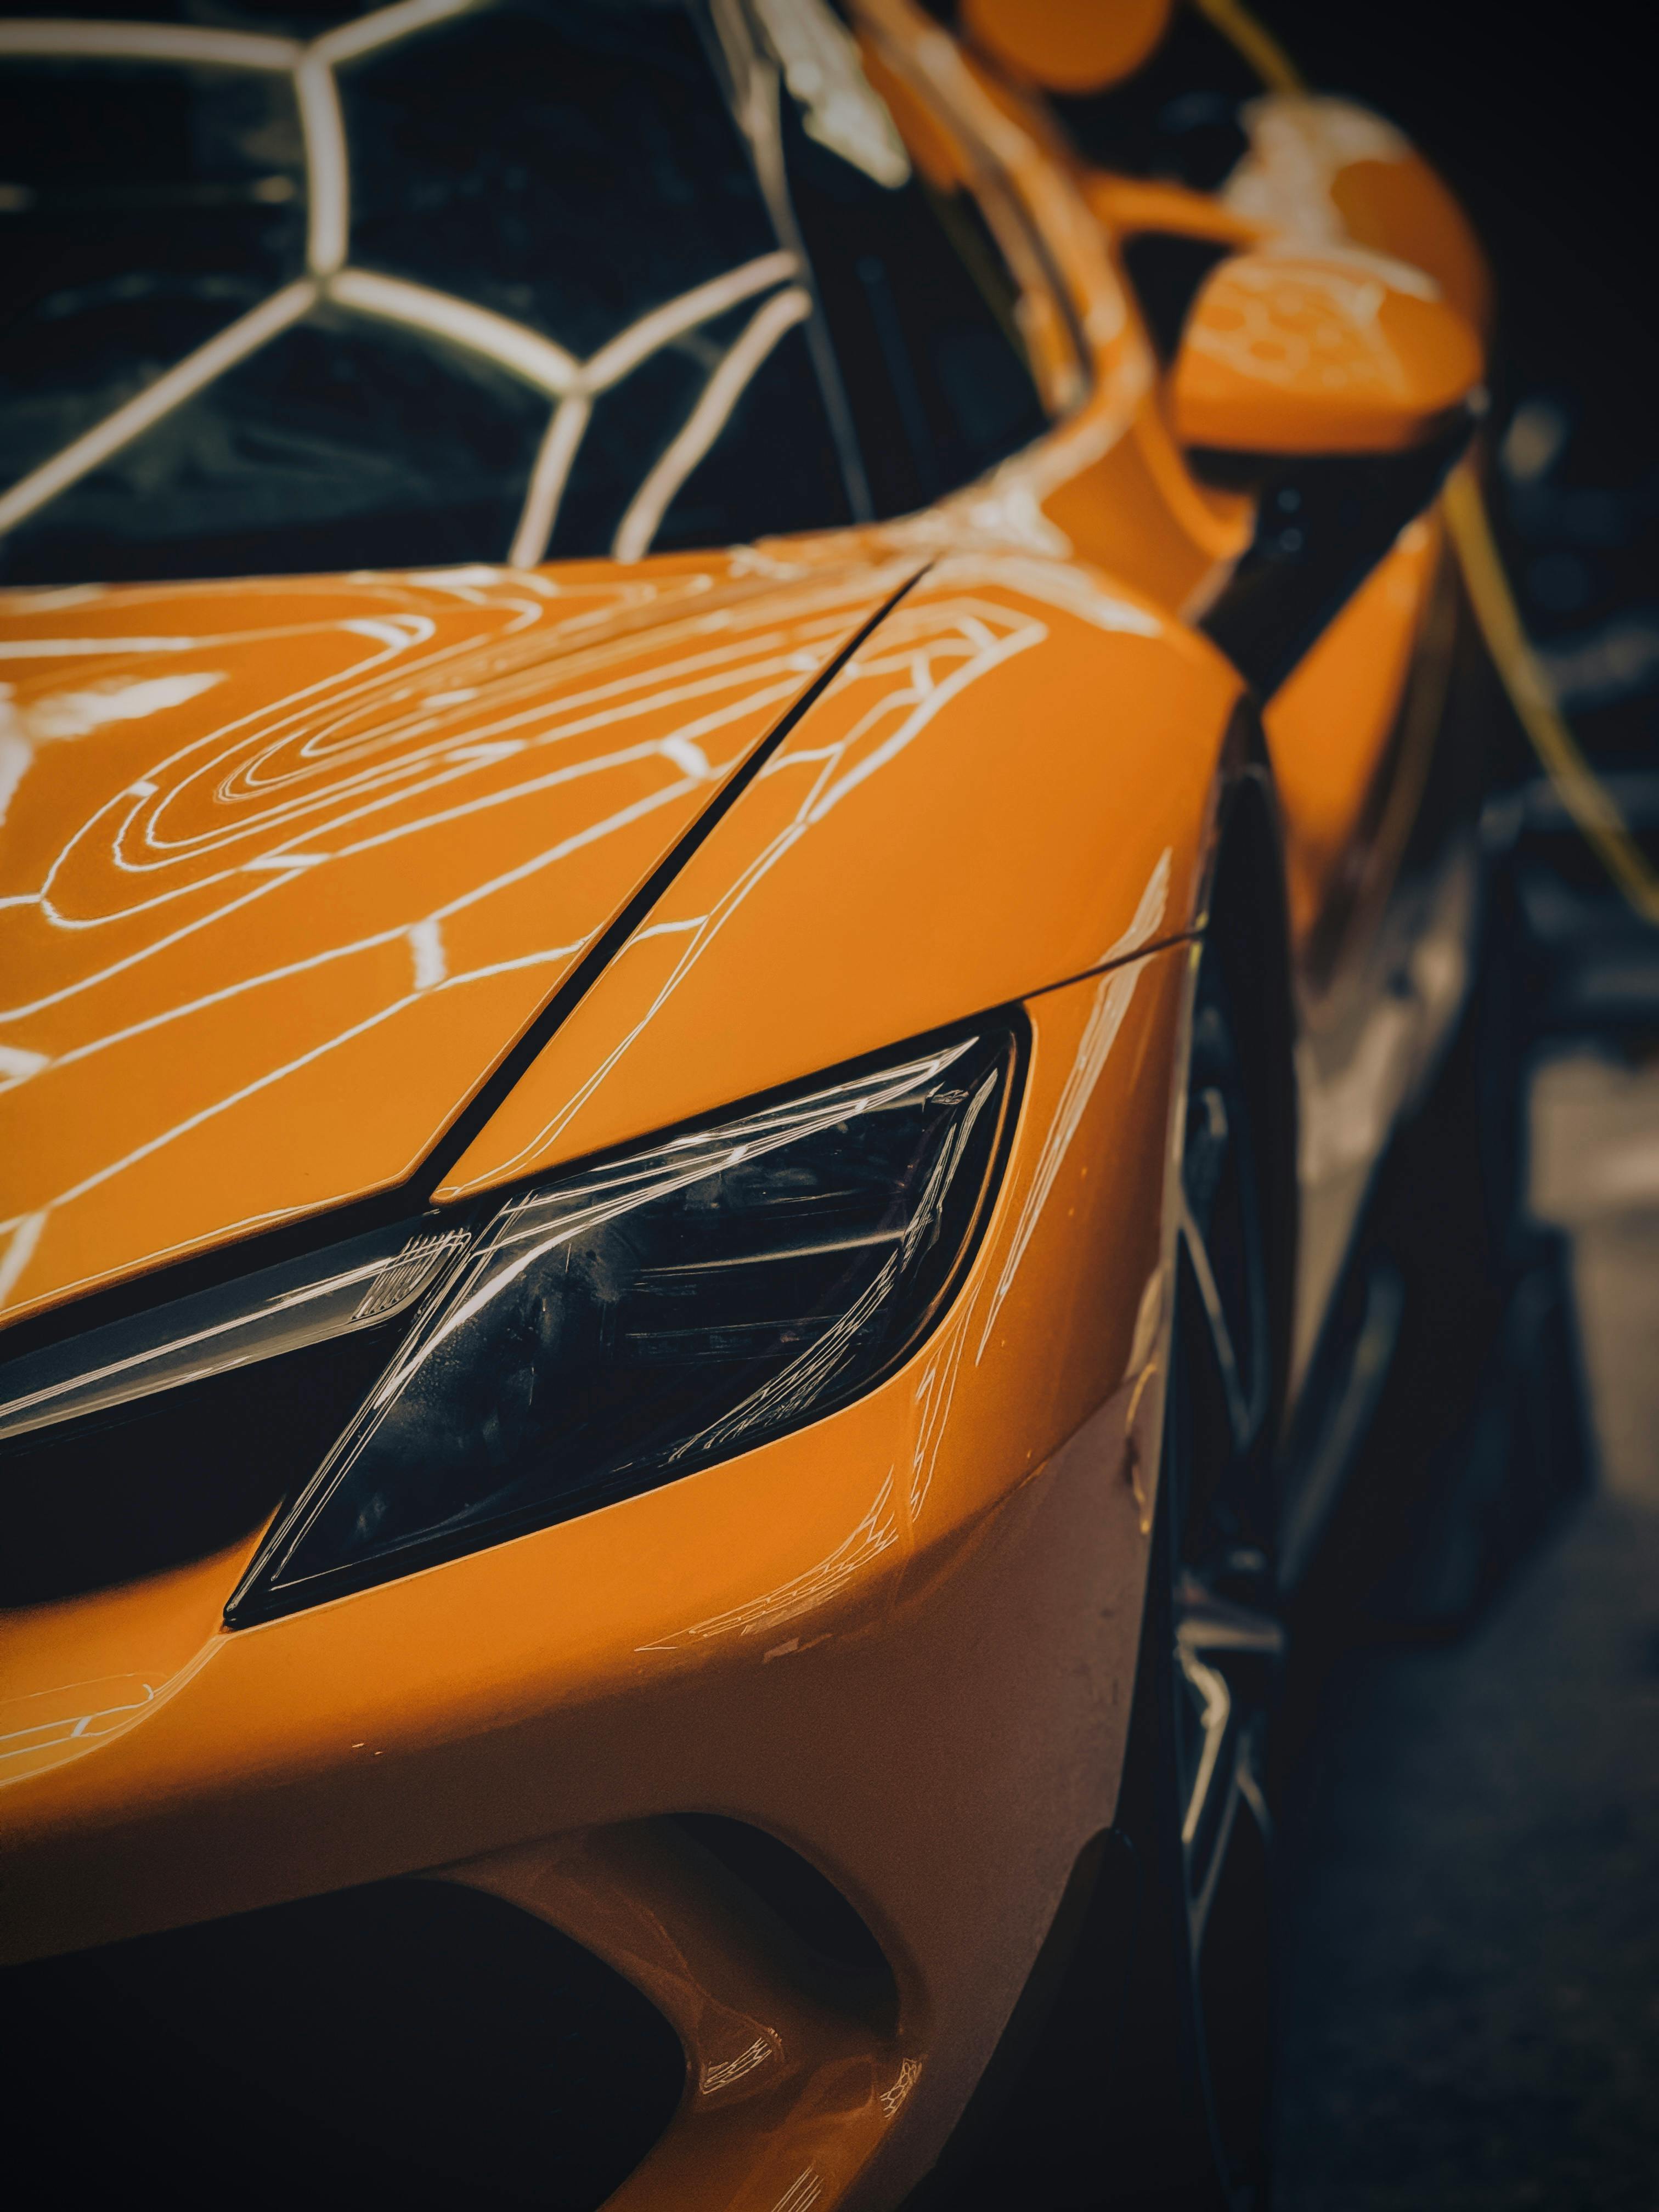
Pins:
x: 1010, y: 784
x: 902, y: 1639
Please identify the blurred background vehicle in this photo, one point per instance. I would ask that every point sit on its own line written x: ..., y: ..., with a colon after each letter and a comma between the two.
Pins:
x: 1469, y: 2012
x: 1471, y: 1772
x: 1472, y: 1814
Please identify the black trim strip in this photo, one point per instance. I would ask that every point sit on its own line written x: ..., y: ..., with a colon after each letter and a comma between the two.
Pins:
x: 1323, y: 523
x: 1111, y: 967
x: 488, y: 1098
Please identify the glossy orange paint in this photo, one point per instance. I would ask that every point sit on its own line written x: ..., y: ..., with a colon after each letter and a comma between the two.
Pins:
x: 1127, y: 206
x: 285, y: 847
x: 322, y: 882
x: 1110, y: 485
x: 1320, y: 351
x: 891, y: 835
x: 1323, y: 174
x: 1353, y: 682
x: 1324, y: 171
x: 969, y: 1524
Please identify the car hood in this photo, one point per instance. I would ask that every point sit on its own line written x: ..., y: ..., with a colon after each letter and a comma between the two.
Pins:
x: 288, y: 866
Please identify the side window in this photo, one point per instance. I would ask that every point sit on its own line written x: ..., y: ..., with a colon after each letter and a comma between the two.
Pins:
x: 923, y: 310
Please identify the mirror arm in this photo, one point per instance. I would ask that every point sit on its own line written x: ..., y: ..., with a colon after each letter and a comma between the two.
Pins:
x: 1322, y: 525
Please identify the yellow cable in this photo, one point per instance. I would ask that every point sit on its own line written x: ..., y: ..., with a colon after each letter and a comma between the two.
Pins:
x: 1581, y: 790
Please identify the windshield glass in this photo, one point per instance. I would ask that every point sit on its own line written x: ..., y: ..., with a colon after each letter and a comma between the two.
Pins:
x: 444, y: 283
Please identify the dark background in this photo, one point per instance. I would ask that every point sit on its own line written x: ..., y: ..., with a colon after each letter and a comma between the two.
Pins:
x: 1544, y: 119
x: 1471, y: 2003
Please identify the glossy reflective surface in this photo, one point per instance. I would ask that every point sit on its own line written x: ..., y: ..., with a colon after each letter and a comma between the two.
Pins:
x: 371, y: 1280
x: 668, y: 1308
x: 1018, y: 738
x: 275, y: 851
x: 286, y: 920
x: 1311, y: 351
x: 970, y: 1524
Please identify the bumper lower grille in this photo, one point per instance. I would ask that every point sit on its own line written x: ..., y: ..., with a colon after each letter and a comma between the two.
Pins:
x: 411, y: 2043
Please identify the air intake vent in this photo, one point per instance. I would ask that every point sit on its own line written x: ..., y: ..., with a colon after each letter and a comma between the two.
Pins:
x: 412, y: 2045
x: 834, y: 1948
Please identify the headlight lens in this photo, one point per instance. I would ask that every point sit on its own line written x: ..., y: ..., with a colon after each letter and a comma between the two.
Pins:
x: 636, y: 1321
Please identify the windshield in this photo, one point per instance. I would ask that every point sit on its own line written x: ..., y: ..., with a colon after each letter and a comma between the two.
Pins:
x: 444, y: 283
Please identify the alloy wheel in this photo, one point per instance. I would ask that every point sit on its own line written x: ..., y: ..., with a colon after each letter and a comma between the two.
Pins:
x: 1192, y: 2071
x: 1228, y: 1644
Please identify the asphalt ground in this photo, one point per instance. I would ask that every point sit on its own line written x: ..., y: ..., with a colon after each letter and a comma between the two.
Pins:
x: 1471, y: 1847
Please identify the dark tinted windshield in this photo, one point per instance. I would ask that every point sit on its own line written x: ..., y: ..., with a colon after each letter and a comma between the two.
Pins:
x: 437, y: 284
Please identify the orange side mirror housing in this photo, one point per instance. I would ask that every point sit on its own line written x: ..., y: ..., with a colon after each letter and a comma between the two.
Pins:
x: 1322, y: 350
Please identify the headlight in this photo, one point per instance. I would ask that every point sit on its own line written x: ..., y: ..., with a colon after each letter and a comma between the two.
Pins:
x: 632, y: 1322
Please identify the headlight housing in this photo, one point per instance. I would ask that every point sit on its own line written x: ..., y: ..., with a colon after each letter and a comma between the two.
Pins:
x: 629, y: 1323
x: 537, y: 1355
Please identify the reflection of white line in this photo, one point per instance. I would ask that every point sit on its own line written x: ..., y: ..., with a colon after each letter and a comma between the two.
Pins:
x: 619, y: 355
x: 150, y: 42
x: 622, y: 818
x: 922, y: 712
x: 390, y: 788
x: 613, y: 361
x: 131, y: 960
x: 426, y: 943
x: 1112, y: 999
x: 328, y: 180
x: 381, y: 1014
x: 524, y: 352
x: 734, y: 2070
x: 178, y: 384
x: 823, y: 795
x: 1100, y: 1034
x: 803, y: 2192
x: 537, y: 360
x: 25, y: 1236
x: 370, y: 32
x: 311, y: 962
x: 279, y: 865
x: 707, y: 419
x: 547, y: 482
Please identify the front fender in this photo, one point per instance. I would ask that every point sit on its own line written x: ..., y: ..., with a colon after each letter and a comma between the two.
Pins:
x: 1012, y: 783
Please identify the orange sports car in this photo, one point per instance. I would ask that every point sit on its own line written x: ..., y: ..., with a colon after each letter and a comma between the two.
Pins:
x: 732, y: 815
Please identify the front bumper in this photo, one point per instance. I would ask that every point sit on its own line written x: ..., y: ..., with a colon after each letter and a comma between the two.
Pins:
x: 902, y: 1641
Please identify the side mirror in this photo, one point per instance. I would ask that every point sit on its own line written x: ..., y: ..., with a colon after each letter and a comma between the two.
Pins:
x: 1324, y: 351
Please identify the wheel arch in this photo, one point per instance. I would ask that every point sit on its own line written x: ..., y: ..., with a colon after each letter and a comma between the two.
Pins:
x: 1244, y: 921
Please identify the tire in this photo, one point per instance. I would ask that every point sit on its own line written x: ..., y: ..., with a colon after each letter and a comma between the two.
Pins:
x: 1191, y: 2085
x: 1141, y: 2074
